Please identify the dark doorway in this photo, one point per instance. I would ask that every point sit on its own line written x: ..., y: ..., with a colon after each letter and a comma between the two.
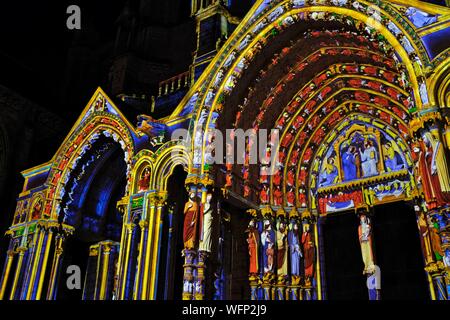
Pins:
x: 90, y: 206
x: 343, y: 263
x: 236, y: 262
x: 398, y: 253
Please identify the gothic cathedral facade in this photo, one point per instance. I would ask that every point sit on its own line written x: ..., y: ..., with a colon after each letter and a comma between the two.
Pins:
x: 353, y: 202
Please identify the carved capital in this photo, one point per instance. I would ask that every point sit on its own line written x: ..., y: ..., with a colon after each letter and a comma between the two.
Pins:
x: 191, y: 180
x: 420, y: 122
x: 143, y: 224
x: 307, y: 216
x: 281, y: 213
x: 206, y: 181
x: 122, y: 205
x: 293, y: 214
x: 67, y: 230
x: 10, y: 253
x: 252, y: 212
x: 267, y: 212
x: 158, y: 199
x: 254, y: 279
x: 93, y: 251
x: 435, y: 268
x: 268, y: 278
x: 106, y: 248
x: 21, y: 250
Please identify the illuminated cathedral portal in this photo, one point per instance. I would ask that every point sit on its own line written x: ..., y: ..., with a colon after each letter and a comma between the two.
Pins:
x: 355, y: 204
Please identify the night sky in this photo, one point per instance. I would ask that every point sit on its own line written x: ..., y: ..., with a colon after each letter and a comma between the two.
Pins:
x: 35, y: 43
x: 34, y: 64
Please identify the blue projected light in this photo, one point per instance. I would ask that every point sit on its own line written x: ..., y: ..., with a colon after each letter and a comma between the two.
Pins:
x: 437, y: 42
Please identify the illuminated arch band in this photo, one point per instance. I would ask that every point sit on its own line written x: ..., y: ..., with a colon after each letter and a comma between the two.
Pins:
x: 278, y: 12
x: 161, y: 163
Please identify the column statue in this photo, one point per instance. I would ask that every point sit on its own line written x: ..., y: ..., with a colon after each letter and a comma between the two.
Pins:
x: 308, y: 253
x: 267, y: 240
x: 365, y: 239
x: 253, y: 246
x: 190, y: 222
x: 144, y: 181
x: 295, y: 252
x: 206, y: 227
x: 282, y: 250
x: 424, y: 172
x: 438, y: 166
x: 424, y: 238
x: 436, y: 242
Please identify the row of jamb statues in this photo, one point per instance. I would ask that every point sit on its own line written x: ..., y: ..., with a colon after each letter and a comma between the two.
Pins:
x: 286, y: 255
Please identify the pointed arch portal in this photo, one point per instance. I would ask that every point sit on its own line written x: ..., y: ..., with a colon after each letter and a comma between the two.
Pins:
x: 355, y: 206
x: 345, y: 84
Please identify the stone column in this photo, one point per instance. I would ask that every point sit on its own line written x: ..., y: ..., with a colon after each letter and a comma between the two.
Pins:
x: 149, y: 242
x: 445, y: 240
x: 91, y: 281
x: 35, y: 262
x: 21, y: 251
x: 439, y: 225
x: 44, y: 262
x: 142, y: 287
x: 56, y: 266
x: 105, y: 255
x: 160, y: 203
x: 188, y: 276
x: 436, y: 270
x: 122, y: 206
x: 219, y: 274
x: 6, y: 272
x: 254, y: 286
x: 200, y: 277
x: 141, y: 274
x: 172, y: 230
x: 32, y: 245
x: 124, y: 276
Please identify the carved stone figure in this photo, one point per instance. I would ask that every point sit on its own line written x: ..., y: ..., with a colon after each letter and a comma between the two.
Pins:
x: 190, y: 222
x: 144, y: 181
x: 365, y: 240
x: 253, y: 247
x: 206, y: 240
